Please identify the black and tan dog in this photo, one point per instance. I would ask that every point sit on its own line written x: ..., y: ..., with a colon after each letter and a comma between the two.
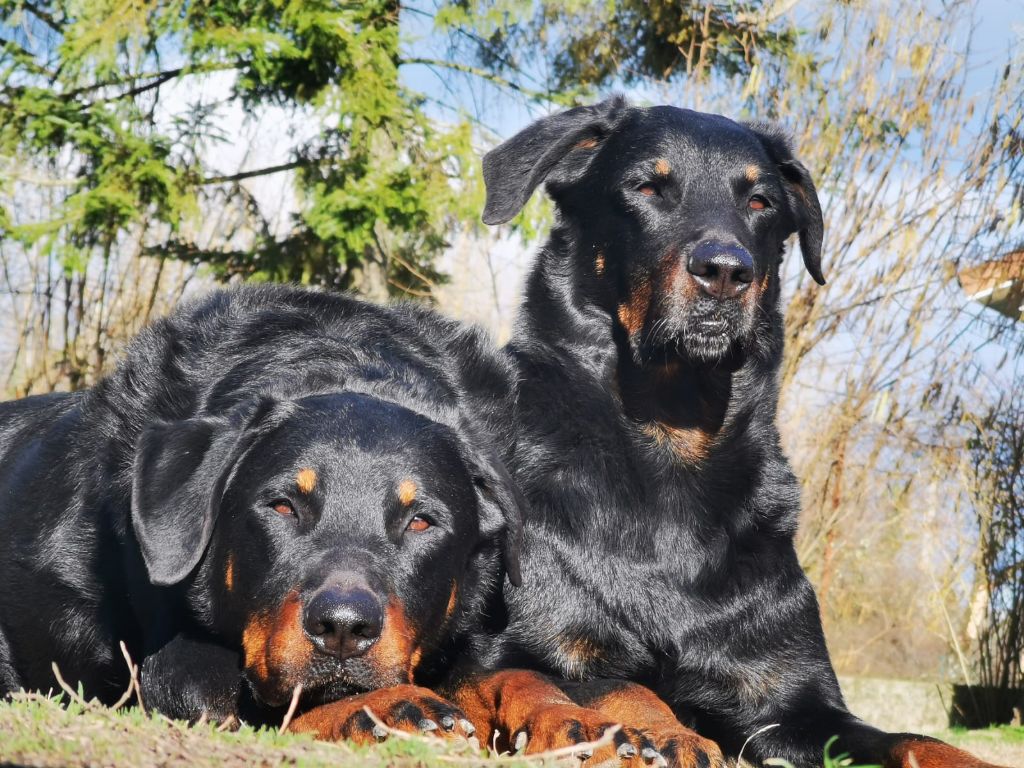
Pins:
x: 275, y: 488
x: 661, y: 509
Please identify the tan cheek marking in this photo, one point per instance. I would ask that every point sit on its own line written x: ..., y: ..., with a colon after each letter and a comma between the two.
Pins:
x: 407, y: 492
x: 306, y: 480
x: 288, y: 644
x: 599, y: 264
x: 397, y: 649
x: 752, y: 173
x: 626, y: 317
x: 752, y: 296
x: 662, y: 168
x: 254, y: 645
x: 586, y: 143
x: 452, y: 601
x: 275, y: 647
x: 667, y: 276
x: 633, y: 312
x: 229, y: 573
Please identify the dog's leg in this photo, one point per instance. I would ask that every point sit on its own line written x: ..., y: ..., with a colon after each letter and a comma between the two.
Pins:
x: 912, y: 751
x: 864, y: 743
x: 641, y: 708
x: 187, y: 679
x: 790, y: 710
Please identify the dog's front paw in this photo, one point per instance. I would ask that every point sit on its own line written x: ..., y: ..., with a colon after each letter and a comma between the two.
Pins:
x: 407, y: 708
x: 683, y: 748
x: 579, y: 731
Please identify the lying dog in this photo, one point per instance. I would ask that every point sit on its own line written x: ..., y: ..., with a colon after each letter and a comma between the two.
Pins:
x: 274, y: 489
x: 659, y: 533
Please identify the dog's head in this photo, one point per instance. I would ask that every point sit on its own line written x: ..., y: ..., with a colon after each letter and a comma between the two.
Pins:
x: 334, y: 540
x: 679, y: 218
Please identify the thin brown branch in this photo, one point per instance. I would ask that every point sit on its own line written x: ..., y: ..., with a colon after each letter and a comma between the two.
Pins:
x: 483, y: 74
x: 242, y: 175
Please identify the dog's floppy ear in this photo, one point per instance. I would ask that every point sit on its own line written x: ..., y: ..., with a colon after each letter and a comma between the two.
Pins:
x: 501, y: 508
x: 179, y: 475
x: 803, y: 197
x: 514, y: 169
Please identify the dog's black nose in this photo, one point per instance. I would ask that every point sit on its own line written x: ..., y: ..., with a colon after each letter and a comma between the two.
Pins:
x: 343, y: 622
x: 723, y: 271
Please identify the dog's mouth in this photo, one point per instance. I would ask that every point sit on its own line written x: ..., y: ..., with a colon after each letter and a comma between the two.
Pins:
x: 705, y: 332
x: 279, y: 656
x: 323, y: 680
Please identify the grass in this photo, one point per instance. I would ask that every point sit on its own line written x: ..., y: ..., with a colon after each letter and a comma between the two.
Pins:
x: 1000, y: 744
x: 45, y: 731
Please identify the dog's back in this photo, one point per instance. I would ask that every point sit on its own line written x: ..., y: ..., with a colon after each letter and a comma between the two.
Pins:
x: 21, y: 420
x: 276, y: 339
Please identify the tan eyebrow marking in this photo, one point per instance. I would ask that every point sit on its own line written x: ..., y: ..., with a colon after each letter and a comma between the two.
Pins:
x: 599, y: 263
x: 407, y: 492
x: 306, y: 480
x: 586, y: 143
x: 752, y: 173
x: 662, y: 168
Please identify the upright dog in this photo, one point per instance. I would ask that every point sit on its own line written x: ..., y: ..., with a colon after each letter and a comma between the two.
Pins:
x: 275, y: 488
x: 661, y: 510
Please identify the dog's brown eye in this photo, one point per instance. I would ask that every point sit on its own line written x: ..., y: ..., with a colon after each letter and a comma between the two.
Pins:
x: 419, y: 524
x: 758, y: 203
x: 647, y: 190
x: 283, y: 507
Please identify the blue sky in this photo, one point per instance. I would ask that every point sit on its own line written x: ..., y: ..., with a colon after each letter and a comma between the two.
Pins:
x: 999, y: 30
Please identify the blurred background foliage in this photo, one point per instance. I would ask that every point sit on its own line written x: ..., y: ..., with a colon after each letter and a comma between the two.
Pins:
x: 151, y: 149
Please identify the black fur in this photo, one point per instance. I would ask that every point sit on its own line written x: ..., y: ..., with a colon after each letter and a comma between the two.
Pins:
x: 162, y: 507
x: 661, y: 509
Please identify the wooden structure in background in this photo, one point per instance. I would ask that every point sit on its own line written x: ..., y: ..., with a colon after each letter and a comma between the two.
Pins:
x: 998, y: 284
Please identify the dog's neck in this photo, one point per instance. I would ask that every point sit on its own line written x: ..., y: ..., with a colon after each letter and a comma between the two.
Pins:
x: 683, y: 408
x: 558, y: 310
x: 691, y: 408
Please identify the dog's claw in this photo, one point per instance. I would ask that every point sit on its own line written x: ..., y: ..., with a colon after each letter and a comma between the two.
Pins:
x: 427, y: 725
x: 626, y: 751
x: 448, y: 723
x: 653, y: 757
x: 584, y: 755
x: 467, y: 726
x: 520, y: 742
x: 379, y: 732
